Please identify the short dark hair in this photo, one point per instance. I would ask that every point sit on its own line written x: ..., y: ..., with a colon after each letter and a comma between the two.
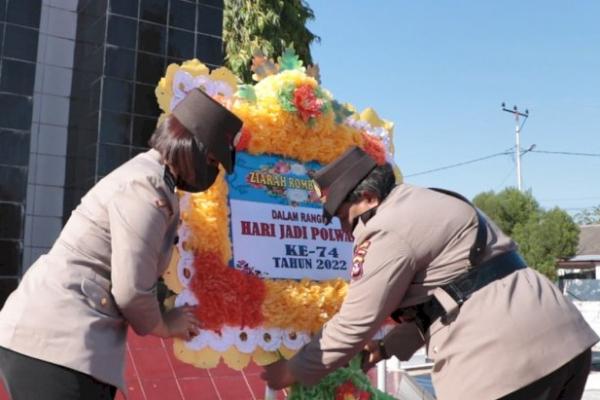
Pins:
x: 176, y: 146
x: 379, y: 182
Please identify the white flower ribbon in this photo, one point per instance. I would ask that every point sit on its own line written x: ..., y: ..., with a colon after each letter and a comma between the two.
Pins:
x: 200, y: 341
x: 246, y: 340
x: 270, y: 338
x: 185, y: 268
x: 184, y: 82
x: 295, y: 340
x: 186, y: 297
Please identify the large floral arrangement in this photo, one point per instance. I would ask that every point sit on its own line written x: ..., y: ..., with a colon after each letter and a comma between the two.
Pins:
x: 245, y: 316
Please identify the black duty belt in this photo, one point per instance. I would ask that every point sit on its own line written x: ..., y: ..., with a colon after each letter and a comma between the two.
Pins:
x: 462, y: 288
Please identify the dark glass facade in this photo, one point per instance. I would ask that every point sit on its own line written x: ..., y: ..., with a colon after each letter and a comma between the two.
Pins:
x: 77, y: 81
x: 19, y: 31
x: 122, y: 50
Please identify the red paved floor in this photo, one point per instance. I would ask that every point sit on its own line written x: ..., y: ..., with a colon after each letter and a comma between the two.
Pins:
x: 153, y: 373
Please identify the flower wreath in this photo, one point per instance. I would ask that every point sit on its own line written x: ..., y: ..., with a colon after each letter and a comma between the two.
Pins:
x: 245, y: 317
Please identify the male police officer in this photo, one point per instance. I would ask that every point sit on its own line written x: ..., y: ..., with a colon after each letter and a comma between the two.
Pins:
x: 494, y: 327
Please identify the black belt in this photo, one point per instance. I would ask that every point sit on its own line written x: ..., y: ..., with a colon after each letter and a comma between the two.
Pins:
x: 462, y: 288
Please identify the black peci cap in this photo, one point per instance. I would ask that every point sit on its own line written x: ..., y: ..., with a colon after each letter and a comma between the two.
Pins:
x: 211, y: 124
x: 337, y: 180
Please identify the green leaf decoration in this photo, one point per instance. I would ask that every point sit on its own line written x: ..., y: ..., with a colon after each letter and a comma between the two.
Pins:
x: 340, y: 111
x: 262, y: 66
x: 326, y: 389
x: 246, y: 92
x: 326, y: 107
x: 289, y: 61
x: 321, y: 95
x: 286, y: 98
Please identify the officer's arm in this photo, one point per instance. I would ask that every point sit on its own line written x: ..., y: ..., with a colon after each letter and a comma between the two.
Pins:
x: 137, y: 228
x: 388, y: 269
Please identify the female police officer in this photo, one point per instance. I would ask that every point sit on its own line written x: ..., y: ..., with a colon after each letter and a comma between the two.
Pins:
x: 63, y: 330
x: 494, y: 328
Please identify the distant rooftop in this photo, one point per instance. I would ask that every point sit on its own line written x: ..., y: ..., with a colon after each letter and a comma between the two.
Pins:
x: 588, y: 250
x: 589, y: 241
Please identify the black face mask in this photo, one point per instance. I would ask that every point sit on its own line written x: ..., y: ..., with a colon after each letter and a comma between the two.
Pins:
x: 205, y: 173
x: 205, y: 177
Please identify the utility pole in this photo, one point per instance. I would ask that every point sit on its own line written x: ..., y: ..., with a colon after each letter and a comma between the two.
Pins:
x: 518, y: 126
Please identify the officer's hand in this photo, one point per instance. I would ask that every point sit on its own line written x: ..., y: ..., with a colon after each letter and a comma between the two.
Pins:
x: 278, y: 375
x: 181, y: 322
x: 371, y: 355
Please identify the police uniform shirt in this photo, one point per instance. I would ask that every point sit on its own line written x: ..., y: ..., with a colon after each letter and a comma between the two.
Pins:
x: 508, y: 334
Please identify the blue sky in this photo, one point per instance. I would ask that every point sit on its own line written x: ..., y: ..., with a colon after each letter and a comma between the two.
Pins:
x: 440, y: 70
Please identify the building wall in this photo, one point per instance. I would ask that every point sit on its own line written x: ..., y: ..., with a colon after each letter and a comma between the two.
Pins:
x: 77, y: 80
x: 19, y: 31
x: 48, y: 148
x: 122, y: 50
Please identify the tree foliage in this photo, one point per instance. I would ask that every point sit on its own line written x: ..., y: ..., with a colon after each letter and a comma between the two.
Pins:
x: 546, y: 237
x: 588, y: 216
x: 508, y: 208
x: 543, y: 236
x: 268, y: 26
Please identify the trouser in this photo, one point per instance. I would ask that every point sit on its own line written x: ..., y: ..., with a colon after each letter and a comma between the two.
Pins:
x: 565, y: 383
x: 27, y: 378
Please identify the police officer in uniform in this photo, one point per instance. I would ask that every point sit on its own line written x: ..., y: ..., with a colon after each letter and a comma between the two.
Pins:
x: 63, y: 330
x: 495, y: 328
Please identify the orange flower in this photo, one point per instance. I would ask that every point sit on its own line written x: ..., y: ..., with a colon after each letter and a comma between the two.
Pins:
x: 373, y: 147
x: 302, y: 306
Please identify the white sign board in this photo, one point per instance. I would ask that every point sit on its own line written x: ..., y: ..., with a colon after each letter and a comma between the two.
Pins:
x: 276, y: 222
x: 286, y: 242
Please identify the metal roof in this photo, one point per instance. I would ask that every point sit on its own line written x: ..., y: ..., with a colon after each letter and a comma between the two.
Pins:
x: 589, y: 242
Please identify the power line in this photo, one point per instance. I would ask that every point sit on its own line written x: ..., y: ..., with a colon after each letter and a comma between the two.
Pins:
x: 571, y: 198
x: 505, y: 178
x: 458, y: 164
x: 567, y: 153
x: 503, y: 153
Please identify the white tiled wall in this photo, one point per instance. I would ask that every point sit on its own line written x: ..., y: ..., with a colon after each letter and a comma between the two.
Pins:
x: 56, y: 49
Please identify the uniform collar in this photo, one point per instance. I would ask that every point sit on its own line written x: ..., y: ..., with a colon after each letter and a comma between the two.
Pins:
x: 155, y: 155
x: 169, y: 179
x: 167, y: 174
x: 359, y: 229
x: 364, y: 218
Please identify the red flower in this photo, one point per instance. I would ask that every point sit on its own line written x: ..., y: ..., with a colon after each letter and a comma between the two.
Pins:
x: 227, y: 296
x: 348, y: 391
x: 244, y: 141
x: 306, y: 102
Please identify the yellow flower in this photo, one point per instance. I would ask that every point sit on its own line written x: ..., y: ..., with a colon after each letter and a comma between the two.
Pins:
x: 302, y: 306
x: 208, y: 220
